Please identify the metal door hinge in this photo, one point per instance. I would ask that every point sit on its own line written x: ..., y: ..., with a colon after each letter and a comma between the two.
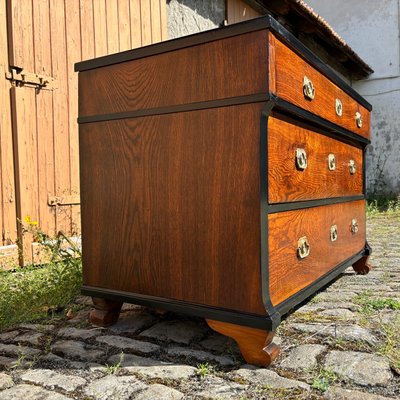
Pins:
x: 68, y: 200
x: 20, y: 77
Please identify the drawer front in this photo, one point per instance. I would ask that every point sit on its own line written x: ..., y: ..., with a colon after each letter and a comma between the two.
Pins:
x: 305, y: 165
x: 288, y: 73
x: 293, y: 233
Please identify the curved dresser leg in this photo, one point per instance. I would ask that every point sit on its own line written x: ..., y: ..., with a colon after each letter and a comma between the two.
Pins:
x: 255, y: 344
x: 105, y: 313
x: 362, y: 267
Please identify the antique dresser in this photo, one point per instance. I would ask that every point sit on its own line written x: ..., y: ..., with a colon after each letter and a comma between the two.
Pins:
x: 222, y: 176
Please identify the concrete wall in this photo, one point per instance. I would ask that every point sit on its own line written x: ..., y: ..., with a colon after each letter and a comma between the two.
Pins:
x: 372, y: 29
x: 190, y: 16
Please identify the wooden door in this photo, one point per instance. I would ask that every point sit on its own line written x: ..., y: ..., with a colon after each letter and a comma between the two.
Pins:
x: 45, y: 38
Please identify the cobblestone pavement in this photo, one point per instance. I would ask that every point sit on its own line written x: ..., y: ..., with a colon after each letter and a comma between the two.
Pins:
x: 342, y: 344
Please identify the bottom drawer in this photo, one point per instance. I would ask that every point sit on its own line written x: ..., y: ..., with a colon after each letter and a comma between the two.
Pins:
x: 305, y: 244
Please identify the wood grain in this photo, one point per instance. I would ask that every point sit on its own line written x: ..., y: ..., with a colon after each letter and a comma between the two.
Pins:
x: 8, y: 220
x: 287, y: 183
x: 151, y: 82
x: 287, y: 273
x: 255, y: 344
x: 238, y: 11
x: 124, y: 25
x: 172, y: 209
x: 290, y: 69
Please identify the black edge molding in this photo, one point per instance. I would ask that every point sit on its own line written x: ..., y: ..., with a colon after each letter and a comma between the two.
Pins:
x: 265, y: 22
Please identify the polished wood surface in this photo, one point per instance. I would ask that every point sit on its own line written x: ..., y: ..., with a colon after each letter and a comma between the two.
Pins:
x: 362, y: 266
x: 289, y: 71
x: 236, y: 66
x: 287, y: 273
x: 106, y: 312
x: 288, y: 183
x: 255, y: 344
x: 171, y: 206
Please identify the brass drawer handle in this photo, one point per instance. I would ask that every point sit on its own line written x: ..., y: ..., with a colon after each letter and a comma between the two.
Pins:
x: 358, y: 120
x: 301, y: 159
x: 308, y: 88
x: 339, y: 107
x: 334, y: 233
x: 354, y: 225
x: 352, y: 166
x: 331, y: 162
x: 303, y: 247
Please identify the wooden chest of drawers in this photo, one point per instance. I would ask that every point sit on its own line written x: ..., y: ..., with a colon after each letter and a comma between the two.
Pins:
x: 222, y: 175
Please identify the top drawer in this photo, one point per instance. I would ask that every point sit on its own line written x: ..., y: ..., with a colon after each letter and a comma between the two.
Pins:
x: 288, y: 75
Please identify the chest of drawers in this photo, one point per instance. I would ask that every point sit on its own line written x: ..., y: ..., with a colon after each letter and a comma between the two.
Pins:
x: 222, y: 175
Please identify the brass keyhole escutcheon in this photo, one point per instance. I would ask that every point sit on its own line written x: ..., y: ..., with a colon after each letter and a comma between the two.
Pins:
x: 358, y: 120
x: 354, y: 225
x: 334, y: 233
x: 352, y: 166
x: 308, y: 89
x: 301, y: 159
x: 339, y: 107
x: 331, y: 162
x: 303, y: 247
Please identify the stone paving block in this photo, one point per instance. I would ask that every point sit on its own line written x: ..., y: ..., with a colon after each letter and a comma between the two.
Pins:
x: 219, y: 343
x: 7, y: 336
x: 303, y: 357
x: 38, y: 327
x: 29, y: 337
x: 114, y: 387
x: 165, y: 371
x: 267, y: 377
x: 53, y: 380
x: 130, y: 361
x: 5, y: 381
x: 337, y: 393
x: 362, y: 368
x: 14, y: 350
x: 347, y: 332
x: 83, y: 334
x: 159, y: 392
x: 132, y: 322
x: 30, y: 392
x: 218, y: 388
x: 74, y: 349
x: 7, y: 361
x: 128, y: 344
x: 340, y: 313
x: 182, y: 332
x: 200, y: 355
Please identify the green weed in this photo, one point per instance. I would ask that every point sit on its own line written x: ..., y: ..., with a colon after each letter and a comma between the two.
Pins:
x: 323, y: 380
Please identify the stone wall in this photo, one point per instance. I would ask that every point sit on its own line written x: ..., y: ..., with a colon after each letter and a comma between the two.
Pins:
x: 185, y: 17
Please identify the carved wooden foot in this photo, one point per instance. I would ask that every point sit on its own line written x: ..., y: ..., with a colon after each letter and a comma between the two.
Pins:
x: 255, y: 344
x: 106, y: 312
x: 362, y: 267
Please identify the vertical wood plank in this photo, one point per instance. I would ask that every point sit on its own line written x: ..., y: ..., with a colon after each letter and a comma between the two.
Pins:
x: 20, y: 30
x: 74, y: 55
x: 145, y: 14
x: 238, y: 10
x: 60, y: 109
x: 164, y: 22
x: 44, y: 117
x: 124, y: 23
x: 100, y: 25
x: 112, y: 26
x: 136, y: 29
x: 87, y: 29
x: 8, y: 219
x: 155, y: 21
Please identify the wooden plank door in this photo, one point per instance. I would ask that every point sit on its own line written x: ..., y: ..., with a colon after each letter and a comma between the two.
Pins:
x: 47, y: 37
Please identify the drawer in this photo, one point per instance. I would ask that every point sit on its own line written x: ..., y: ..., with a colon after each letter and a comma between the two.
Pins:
x: 331, y: 169
x: 288, y: 73
x: 288, y: 271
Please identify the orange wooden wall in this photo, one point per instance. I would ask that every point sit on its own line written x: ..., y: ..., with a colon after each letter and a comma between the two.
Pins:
x: 38, y: 129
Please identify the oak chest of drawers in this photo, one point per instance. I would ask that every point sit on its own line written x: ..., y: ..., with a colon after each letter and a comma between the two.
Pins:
x: 222, y: 175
